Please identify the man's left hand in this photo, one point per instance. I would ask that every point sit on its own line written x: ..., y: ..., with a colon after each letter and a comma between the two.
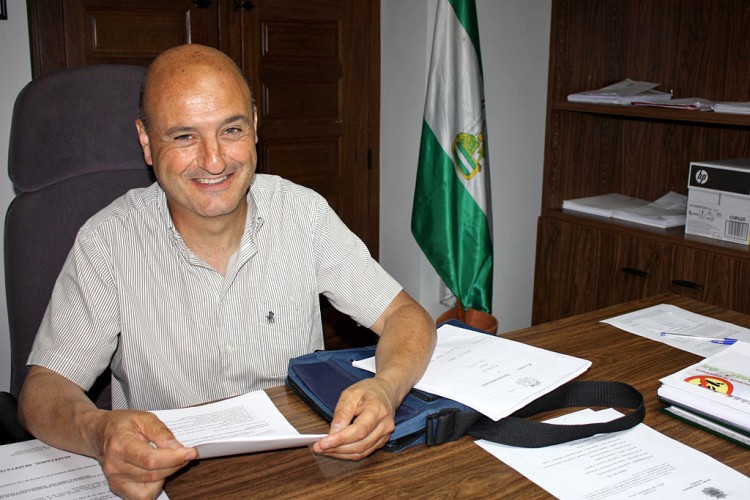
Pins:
x: 362, y: 422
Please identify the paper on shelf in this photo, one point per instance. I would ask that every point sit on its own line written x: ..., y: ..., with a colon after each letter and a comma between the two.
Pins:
x: 604, y: 204
x: 668, y: 211
x: 688, y: 103
x: 624, y: 92
x: 493, y: 375
x: 742, y: 108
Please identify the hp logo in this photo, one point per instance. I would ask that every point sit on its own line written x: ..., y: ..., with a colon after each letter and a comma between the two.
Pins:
x: 701, y: 177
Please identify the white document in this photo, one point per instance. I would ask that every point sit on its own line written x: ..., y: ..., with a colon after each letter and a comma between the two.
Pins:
x: 624, y: 92
x: 32, y: 469
x: 651, y: 321
x: 668, y: 211
x: 639, y: 462
x: 603, y: 205
x: 243, y: 424
x: 493, y: 375
x: 718, y: 386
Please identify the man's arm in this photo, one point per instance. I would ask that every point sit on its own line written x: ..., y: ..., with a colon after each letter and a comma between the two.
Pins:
x: 364, y: 416
x: 135, y: 449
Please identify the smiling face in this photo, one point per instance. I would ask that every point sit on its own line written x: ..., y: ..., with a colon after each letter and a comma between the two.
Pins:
x: 199, y: 135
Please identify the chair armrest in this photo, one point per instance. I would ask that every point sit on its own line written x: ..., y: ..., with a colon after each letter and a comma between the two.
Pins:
x: 10, y: 428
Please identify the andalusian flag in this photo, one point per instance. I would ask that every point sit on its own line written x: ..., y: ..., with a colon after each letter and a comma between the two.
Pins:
x: 451, y: 217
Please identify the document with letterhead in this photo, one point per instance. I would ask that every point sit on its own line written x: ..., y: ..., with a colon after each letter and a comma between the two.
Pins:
x: 493, y: 375
x: 32, y: 469
x: 639, y: 462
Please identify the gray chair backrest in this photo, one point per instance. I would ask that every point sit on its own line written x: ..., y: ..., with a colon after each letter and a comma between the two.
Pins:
x: 73, y: 150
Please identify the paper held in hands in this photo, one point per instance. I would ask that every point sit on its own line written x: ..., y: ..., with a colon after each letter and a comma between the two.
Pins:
x: 493, y: 375
x: 243, y: 424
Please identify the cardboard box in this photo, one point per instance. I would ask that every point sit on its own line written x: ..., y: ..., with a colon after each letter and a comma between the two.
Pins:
x: 719, y: 200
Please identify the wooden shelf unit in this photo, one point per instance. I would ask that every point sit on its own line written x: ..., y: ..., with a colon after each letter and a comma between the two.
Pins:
x: 695, y: 48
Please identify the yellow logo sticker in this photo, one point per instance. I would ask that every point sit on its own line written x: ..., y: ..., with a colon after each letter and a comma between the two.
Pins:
x: 712, y: 383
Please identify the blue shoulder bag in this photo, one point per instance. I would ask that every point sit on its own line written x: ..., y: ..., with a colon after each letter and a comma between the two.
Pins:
x: 319, y: 378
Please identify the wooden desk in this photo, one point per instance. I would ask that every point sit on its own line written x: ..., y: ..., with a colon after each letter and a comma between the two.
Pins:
x: 460, y: 468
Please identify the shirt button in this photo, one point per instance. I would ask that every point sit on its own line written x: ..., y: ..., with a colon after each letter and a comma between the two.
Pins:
x: 229, y: 348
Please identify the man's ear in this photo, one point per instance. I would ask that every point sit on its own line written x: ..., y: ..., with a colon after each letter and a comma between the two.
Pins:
x: 143, y: 139
x: 255, y: 123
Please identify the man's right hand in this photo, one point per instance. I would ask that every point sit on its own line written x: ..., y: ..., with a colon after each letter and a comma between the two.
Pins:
x: 135, y: 449
x: 138, y: 452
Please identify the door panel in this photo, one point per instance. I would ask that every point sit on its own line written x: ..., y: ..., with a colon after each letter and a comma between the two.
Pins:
x: 77, y: 32
x: 704, y: 276
x: 567, y: 276
x: 312, y: 65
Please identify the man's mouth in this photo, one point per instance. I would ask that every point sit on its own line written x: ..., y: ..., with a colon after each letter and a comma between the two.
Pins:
x: 212, y: 181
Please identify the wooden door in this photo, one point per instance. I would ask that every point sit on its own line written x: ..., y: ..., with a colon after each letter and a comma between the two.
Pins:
x: 313, y: 66
x: 72, y: 33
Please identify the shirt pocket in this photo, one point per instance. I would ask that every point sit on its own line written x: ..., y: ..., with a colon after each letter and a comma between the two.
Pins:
x: 287, y: 313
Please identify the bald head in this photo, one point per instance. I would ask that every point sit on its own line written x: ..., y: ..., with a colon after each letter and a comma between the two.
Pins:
x: 183, y: 67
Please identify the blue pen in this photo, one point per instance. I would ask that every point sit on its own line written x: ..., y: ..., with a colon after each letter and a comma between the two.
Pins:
x: 714, y: 340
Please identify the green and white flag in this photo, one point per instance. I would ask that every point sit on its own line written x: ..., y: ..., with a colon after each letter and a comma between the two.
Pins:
x: 451, y: 215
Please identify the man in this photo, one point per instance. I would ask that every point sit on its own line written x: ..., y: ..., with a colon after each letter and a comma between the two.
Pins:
x: 202, y: 286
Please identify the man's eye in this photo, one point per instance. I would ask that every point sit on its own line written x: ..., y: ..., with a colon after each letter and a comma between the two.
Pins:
x: 233, y: 130
x: 183, y: 137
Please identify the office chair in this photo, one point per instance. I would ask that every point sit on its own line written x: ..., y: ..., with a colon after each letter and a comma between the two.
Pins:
x: 73, y: 150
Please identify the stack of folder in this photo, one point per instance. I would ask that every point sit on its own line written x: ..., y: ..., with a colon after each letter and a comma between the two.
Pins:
x: 713, y: 394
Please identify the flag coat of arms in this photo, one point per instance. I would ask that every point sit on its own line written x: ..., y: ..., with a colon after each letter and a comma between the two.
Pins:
x: 451, y: 215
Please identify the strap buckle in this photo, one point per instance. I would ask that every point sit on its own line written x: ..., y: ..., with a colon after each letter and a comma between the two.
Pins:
x: 441, y: 427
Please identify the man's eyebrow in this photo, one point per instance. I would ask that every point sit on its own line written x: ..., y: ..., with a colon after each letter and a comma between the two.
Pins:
x: 243, y: 118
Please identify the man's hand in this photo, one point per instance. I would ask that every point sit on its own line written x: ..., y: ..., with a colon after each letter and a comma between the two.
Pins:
x: 135, y: 449
x: 138, y: 452
x: 362, y: 422
x: 364, y: 416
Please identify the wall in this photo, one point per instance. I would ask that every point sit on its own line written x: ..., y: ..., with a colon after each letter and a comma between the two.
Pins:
x: 514, y: 37
x: 15, y: 61
x: 515, y: 42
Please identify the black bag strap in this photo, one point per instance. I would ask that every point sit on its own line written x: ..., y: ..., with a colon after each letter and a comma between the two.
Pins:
x: 516, y: 430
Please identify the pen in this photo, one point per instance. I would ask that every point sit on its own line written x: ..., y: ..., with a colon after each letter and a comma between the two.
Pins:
x: 714, y: 340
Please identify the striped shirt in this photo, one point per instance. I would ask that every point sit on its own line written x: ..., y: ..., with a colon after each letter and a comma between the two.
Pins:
x: 175, y: 332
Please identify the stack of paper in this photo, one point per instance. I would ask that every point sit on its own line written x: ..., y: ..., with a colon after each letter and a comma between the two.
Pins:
x: 742, y: 108
x: 668, y: 211
x: 624, y: 92
x: 604, y: 204
x: 715, y: 390
x: 689, y: 103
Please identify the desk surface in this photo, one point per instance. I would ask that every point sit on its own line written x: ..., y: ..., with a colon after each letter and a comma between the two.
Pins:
x: 460, y: 468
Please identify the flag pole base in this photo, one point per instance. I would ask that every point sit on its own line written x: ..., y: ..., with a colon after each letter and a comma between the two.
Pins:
x: 472, y: 317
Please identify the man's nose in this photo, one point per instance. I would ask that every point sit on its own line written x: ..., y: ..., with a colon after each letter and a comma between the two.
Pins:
x: 211, y: 157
